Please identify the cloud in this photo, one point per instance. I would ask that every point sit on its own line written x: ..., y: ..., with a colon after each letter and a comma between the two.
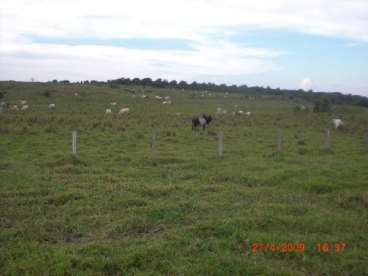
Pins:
x: 106, y: 62
x: 191, y: 19
x: 306, y: 84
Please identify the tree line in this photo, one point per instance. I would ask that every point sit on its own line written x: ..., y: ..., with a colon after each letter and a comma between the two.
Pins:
x: 317, y: 97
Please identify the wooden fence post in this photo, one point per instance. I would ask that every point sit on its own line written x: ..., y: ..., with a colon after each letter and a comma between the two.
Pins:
x: 153, y: 140
x: 74, y: 143
x: 279, y: 141
x: 220, y: 144
x: 327, y: 139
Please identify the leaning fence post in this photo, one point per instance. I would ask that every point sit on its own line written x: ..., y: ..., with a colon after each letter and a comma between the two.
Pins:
x: 220, y: 144
x: 153, y: 140
x: 327, y: 139
x: 279, y: 141
x: 74, y: 143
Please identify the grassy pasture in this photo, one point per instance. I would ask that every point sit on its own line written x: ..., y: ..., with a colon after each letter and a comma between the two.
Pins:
x: 118, y: 209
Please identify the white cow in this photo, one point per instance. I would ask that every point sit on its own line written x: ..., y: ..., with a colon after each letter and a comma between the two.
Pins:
x: 124, y: 110
x: 248, y: 113
x: 113, y: 103
x: 25, y: 107
x: 23, y: 102
x: 240, y: 112
x: 108, y: 111
x: 224, y: 111
x: 219, y: 110
x: 167, y: 98
x: 51, y: 106
x: 158, y: 97
x: 337, y: 123
x: 76, y: 94
x: 2, y: 104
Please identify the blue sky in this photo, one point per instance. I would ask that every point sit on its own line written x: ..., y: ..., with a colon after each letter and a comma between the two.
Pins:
x: 311, y: 44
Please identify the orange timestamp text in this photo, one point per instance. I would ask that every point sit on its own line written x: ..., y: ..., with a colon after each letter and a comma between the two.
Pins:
x: 300, y: 247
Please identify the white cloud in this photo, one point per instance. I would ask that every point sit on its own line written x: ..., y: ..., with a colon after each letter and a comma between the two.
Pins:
x: 306, y: 84
x: 106, y: 62
x: 184, y: 19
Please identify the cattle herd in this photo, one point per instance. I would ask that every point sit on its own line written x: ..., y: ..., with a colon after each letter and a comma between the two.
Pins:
x: 199, y: 122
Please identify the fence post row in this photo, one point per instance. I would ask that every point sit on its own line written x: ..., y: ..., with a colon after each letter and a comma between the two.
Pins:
x: 74, y: 143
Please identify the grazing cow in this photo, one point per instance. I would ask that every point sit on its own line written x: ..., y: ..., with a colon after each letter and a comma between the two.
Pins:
x: 240, y: 112
x: 201, y: 121
x: 76, y: 94
x: 23, y: 102
x: 167, y: 98
x: 2, y: 104
x: 248, y: 113
x: 108, y: 111
x: 219, y: 109
x: 158, y: 97
x: 124, y: 110
x: 25, y: 107
x: 224, y: 111
x: 113, y: 103
x: 13, y: 108
x: 51, y: 106
x: 337, y: 123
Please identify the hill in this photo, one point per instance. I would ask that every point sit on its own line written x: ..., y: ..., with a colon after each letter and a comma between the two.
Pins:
x: 119, y: 208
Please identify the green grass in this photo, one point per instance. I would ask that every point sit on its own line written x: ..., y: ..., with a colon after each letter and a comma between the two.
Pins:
x: 119, y: 209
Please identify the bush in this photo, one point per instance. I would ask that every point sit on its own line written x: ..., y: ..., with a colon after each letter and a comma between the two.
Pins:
x: 322, y: 106
x: 47, y: 94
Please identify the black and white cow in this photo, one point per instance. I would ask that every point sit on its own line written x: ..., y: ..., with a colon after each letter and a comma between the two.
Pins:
x: 201, y: 121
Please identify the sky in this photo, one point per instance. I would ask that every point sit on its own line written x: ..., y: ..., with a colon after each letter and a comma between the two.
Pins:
x: 305, y: 44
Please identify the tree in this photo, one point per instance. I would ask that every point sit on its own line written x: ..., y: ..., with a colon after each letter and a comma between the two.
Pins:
x: 326, y: 105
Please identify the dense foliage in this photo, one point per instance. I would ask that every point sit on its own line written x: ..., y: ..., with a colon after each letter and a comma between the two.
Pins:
x: 315, y: 97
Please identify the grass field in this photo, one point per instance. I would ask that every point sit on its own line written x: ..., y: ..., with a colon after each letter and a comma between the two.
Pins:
x: 119, y: 209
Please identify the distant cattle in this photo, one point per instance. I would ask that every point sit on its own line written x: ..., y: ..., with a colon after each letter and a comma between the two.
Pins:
x: 124, y: 110
x: 167, y: 102
x: 337, y: 123
x: 51, y: 106
x: 113, y: 103
x: 248, y: 113
x: 201, y: 121
x: 108, y: 111
x: 23, y: 102
x: 13, y: 108
x: 25, y: 107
